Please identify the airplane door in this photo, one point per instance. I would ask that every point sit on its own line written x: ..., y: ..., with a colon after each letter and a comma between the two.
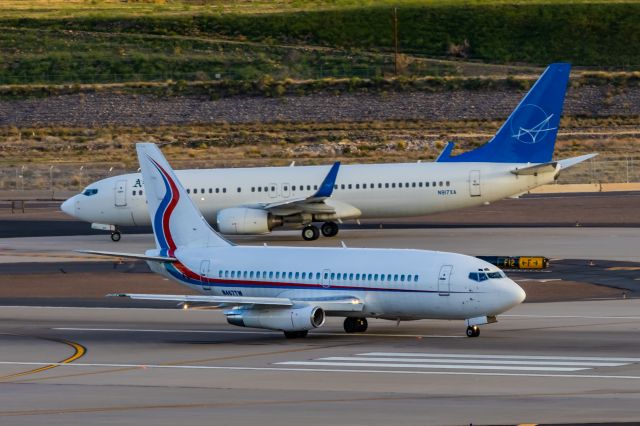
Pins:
x: 273, y: 190
x: 204, y: 273
x: 444, y: 280
x: 121, y: 193
x: 474, y: 183
x: 286, y: 190
x: 326, y: 278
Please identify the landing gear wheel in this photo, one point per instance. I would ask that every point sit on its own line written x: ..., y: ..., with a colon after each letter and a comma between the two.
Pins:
x: 355, y: 325
x: 329, y: 229
x: 473, y: 331
x: 310, y: 233
x: 115, y: 236
x: 296, y: 334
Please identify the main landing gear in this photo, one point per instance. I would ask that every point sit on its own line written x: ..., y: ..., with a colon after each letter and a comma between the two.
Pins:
x: 473, y: 331
x: 328, y: 229
x: 355, y: 325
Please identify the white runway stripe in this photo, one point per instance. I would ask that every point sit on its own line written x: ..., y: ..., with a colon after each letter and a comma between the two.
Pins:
x: 475, y: 361
x: 431, y: 366
x: 486, y: 356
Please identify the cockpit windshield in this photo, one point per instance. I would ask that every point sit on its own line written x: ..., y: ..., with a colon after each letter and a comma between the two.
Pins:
x: 483, y: 276
x: 89, y: 192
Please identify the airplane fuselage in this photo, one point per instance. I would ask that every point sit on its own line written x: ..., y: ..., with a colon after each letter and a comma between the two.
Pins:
x: 391, y: 283
x: 360, y: 191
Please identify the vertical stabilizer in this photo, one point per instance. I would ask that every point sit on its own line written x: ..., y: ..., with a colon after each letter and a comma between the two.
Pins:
x: 529, y: 134
x: 176, y: 220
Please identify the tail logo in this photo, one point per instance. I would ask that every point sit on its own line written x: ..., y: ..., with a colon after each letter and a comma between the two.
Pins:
x: 530, y: 124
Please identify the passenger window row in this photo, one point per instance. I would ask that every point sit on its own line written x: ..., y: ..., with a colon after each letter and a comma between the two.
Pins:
x: 334, y: 276
x: 347, y: 186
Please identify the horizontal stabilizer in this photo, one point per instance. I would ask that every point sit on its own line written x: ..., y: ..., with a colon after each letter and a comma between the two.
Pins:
x: 217, y: 300
x: 129, y: 255
x: 570, y: 162
x: 536, y: 169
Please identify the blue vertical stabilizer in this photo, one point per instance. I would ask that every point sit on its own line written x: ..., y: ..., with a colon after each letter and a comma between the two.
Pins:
x: 529, y: 134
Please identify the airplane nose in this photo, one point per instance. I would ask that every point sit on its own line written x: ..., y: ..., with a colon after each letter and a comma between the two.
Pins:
x: 517, y: 293
x: 68, y: 206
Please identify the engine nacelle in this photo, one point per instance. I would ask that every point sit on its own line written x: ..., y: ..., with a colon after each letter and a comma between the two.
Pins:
x: 242, y: 220
x: 284, y: 319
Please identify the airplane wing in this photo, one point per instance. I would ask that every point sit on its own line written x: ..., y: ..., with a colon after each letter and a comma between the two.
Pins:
x: 215, y: 300
x: 129, y: 255
x: 312, y: 204
x: 341, y: 304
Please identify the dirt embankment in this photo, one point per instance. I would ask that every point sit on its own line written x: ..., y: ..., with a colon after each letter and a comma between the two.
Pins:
x: 106, y: 108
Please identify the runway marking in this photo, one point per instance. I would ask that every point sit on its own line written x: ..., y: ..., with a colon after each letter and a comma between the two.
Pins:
x: 475, y: 361
x: 141, y: 330
x: 463, y: 362
x: 477, y: 356
x: 79, y: 352
x: 331, y: 370
x: 570, y: 316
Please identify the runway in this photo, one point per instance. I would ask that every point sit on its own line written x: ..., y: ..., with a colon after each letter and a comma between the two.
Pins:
x: 551, y: 362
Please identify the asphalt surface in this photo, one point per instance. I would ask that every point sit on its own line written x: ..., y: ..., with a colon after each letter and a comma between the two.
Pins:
x: 553, y: 362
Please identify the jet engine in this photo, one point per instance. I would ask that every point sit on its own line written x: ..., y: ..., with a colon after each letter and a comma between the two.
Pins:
x: 285, y: 319
x: 242, y: 220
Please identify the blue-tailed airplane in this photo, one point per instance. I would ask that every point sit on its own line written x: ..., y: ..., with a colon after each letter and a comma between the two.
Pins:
x: 292, y: 289
x: 256, y: 200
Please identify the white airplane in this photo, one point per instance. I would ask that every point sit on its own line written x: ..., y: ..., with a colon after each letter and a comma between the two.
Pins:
x: 292, y: 289
x: 257, y: 200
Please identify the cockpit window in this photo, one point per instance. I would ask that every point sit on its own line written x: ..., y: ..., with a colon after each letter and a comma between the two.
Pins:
x: 90, y: 191
x: 478, y: 276
x: 495, y: 274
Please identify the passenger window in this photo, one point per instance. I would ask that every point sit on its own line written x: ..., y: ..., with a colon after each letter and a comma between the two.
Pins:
x: 350, y: 186
x: 293, y: 188
x: 271, y: 274
x: 395, y: 277
x: 290, y: 275
x: 333, y: 276
x: 357, y: 186
x: 364, y: 186
x: 434, y: 184
x: 266, y: 189
x: 286, y: 188
x: 244, y: 274
x: 326, y: 275
x: 375, y: 277
x: 351, y: 276
x: 134, y: 193
x: 277, y: 274
x: 264, y: 274
x: 415, y: 278
x: 426, y: 184
x: 202, y: 190
x: 259, y: 189
x: 297, y: 275
x: 224, y: 190
x: 233, y: 274
x: 210, y: 191
x: 369, y: 277
x: 379, y: 185
x: 188, y: 191
x: 251, y: 274
x: 220, y: 273
x: 357, y: 277
x: 448, y: 183
x: 317, y: 275
x: 239, y: 189
x: 304, y: 275
x: 413, y: 185
x: 420, y: 184
x: 402, y: 277
x: 217, y: 190
x: 309, y: 187
x: 273, y: 189
x: 400, y: 185
x: 393, y: 184
x: 440, y: 183
x: 315, y: 187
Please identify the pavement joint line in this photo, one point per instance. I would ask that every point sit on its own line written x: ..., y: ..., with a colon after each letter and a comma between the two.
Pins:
x: 432, y: 366
x: 475, y: 361
x: 134, y: 330
x: 333, y: 370
x: 499, y: 356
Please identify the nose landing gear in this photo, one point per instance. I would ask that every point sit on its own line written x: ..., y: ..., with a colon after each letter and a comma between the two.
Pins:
x: 473, y: 331
x: 115, y: 236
